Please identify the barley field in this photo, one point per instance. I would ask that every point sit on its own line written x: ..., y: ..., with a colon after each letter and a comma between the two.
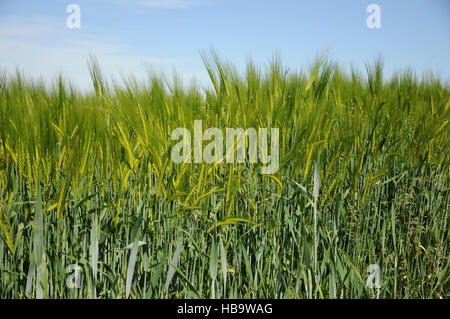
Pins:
x: 92, y: 206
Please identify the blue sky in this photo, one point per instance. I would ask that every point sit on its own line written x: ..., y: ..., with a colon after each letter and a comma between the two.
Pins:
x: 169, y: 34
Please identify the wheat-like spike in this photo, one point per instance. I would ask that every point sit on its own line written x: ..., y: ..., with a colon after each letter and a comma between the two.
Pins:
x: 144, y: 124
x: 36, y: 177
x: 85, y: 156
x: 62, y: 156
x: 6, y: 234
x: 2, y: 179
x: 20, y: 158
x: 61, y: 200
x: 230, y: 176
x: 126, y: 145
x: 11, y: 152
x: 29, y: 173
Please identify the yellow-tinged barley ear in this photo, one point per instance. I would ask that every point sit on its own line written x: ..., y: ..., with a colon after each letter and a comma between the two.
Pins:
x: 61, y: 200
x: 85, y: 156
x: 6, y: 234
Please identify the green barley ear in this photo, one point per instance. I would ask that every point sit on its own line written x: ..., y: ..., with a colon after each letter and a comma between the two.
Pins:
x: 6, y: 234
x: 97, y: 78
x: 61, y: 200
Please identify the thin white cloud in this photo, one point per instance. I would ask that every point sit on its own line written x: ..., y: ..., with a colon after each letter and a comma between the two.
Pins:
x: 43, y: 47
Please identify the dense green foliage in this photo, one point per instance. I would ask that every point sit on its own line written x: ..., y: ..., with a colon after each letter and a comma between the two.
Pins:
x: 87, y: 179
